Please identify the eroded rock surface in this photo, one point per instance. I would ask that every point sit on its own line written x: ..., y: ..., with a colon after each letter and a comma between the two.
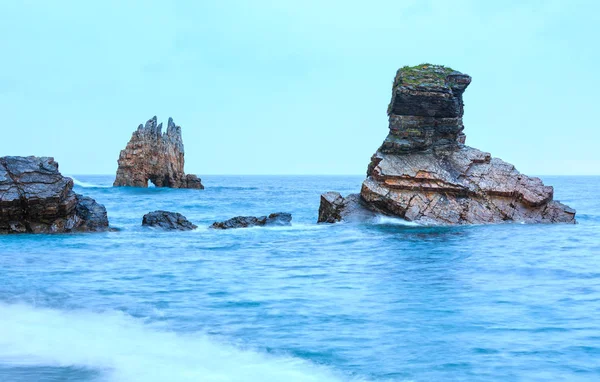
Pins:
x: 36, y: 198
x: 423, y: 171
x: 275, y: 219
x: 154, y: 156
x: 334, y: 207
x: 170, y: 221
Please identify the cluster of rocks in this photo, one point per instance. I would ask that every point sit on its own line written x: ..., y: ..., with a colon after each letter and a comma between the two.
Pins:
x: 152, y: 155
x: 36, y: 198
x: 173, y: 221
x: 423, y: 172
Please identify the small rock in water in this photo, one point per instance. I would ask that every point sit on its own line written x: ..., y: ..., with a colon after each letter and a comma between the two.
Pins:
x: 279, y: 218
x: 275, y: 219
x: 168, y: 221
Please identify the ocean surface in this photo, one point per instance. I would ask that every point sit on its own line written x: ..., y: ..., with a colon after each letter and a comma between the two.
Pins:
x: 380, y: 301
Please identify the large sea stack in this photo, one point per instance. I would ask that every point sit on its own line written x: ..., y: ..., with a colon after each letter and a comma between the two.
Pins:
x: 36, y: 198
x: 423, y: 172
x: 152, y: 155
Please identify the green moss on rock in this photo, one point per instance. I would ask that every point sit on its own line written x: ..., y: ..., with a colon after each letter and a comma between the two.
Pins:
x: 424, y: 74
x: 421, y: 75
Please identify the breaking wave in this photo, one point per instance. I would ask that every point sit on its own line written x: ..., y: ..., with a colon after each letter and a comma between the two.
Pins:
x: 121, y: 348
x: 386, y: 220
x: 80, y: 183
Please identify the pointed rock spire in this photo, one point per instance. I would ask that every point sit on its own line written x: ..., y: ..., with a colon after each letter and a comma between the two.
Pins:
x: 156, y: 157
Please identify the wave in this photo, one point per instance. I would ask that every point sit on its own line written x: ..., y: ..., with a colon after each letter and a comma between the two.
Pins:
x: 298, y: 227
x: 80, y: 183
x: 386, y: 220
x: 121, y: 348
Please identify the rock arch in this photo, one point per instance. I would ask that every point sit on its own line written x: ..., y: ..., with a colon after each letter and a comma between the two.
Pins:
x: 152, y: 155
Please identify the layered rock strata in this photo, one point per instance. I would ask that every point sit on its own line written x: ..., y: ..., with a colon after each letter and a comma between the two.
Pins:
x: 170, y: 221
x: 275, y: 219
x: 334, y: 207
x: 424, y: 172
x: 152, y: 155
x: 36, y: 198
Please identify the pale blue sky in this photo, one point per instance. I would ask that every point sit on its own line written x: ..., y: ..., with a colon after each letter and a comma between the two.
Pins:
x: 294, y: 87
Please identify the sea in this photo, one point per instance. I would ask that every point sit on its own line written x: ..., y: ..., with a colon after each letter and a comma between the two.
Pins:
x: 384, y: 300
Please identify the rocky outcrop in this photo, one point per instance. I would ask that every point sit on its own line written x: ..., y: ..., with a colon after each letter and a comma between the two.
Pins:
x: 36, y: 198
x: 166, y: 220
x: 154, y: 156
x: 336, y: 208
x: 423, y: 171
x: 276, y: 219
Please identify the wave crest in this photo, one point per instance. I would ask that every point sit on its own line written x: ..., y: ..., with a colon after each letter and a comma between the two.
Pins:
x: 80, y: 183
x: 387, y: 220
x: 122, y: 348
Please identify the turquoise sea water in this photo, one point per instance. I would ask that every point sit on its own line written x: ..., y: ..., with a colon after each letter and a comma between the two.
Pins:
x: 383, y: 301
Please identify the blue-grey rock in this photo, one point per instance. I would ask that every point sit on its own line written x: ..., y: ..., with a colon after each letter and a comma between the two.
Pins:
x: 36, y: 198
x: 275, y: 219
x: 171, y: 221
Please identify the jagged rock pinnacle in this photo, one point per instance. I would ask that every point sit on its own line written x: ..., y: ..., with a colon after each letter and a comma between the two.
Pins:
x: 154, y: 156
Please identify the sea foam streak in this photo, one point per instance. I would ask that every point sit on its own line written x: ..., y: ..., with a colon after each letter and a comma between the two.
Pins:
x: 124, y: 349
x: 386, y: 220
x: 79, y: 183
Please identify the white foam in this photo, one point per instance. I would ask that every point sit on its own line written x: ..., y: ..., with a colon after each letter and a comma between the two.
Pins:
x: 79, y: 183
x: 386, y: 220
x: 125, y: 349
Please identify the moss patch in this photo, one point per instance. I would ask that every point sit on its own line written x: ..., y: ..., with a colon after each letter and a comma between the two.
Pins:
x: 424, y: 74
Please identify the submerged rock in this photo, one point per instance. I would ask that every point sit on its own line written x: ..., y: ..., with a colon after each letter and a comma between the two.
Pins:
x: 275, y: 219
x: 279, y: 218
x: 423, y: 171
x: 36, y: 198
x: 154, y: 156
x: 168, y: 221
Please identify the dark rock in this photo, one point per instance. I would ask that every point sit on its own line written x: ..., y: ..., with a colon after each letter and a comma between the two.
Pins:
x: 240, y: 222
x: 275, y: 219
x: 423, y: 172
x: 36, y: 198
x: 92, y: 214
x: 426, y: 109
x: 154, y: 156
x: 192, y: 181
x: 279, y: 218
x: 335, y: 208
x: 168, y: 221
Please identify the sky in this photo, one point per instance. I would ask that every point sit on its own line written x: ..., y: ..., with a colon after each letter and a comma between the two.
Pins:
x: 294, y: 87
